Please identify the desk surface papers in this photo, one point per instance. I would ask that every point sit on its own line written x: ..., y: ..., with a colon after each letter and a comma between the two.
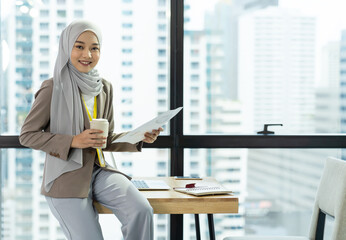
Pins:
x: 137, y: 134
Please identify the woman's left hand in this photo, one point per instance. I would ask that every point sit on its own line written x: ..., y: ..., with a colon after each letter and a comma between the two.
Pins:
x: 151, y: 137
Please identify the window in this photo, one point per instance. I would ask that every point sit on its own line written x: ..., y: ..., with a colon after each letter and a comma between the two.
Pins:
x: 44, y: 76
x: 162, y: 40
x: 162, y: 27
x: 194, y: 52
x: 194, y: 103
x: 78, y: 14
x: 126, y: 101
x: 228, y: 83
x: 44, y: 26
x: 44, y: 38
x: 60, y: 26
x: 126, y: 126
x: 194, y: 77
x: 194, y: 65
x: 162, y: 102
x: 127, y: 25
x: 127, y: 114
x: 127, y: 63
x: 127, y: 89
x: 161, y: 52
x: 126, y: 38
x: 162, y: 65
x: 44, y: 13
x: 161, y: 90
x: 162, y: 2
x: 126, y: 50
x: 162, y: 14
x: 44, y: 51
x: 162, y: 77
x: 61, y: 13
x: 127, y: 12
x: 127, y: 76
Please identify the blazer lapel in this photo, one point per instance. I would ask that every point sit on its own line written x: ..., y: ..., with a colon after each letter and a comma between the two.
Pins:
x: 101, y: 104
x: 85, y: 116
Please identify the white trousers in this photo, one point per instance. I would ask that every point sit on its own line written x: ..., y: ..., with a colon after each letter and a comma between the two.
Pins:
x: 79, y: 220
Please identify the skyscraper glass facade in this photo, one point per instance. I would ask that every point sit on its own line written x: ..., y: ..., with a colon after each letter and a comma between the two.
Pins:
x: 246, y: 63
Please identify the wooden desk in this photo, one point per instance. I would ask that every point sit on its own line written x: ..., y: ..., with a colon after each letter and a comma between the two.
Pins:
x: 172, y: 202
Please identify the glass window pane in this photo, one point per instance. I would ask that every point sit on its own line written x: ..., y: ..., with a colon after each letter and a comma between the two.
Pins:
x: 134, y: 58
x: 276, y: 188
x: 25, y: 213
x: 264, y: 62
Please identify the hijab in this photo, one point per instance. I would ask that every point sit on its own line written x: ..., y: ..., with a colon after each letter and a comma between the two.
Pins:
x: 66, y: 114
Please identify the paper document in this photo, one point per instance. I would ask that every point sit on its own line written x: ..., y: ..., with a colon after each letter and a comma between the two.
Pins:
x: 203, y: 190
x: 137, y: 134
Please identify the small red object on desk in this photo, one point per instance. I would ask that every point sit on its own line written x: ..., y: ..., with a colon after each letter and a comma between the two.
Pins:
x: 190, y: 185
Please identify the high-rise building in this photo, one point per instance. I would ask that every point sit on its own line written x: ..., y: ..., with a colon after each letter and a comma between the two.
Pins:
x: 327, y: 112
x: 225, y: 112
x: 278, y: 50
x: 32, y: 29
x: 277, y: 60
x: 343, y: 86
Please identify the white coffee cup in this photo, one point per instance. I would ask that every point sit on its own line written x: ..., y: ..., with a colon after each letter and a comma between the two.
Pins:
x: 101, y: 124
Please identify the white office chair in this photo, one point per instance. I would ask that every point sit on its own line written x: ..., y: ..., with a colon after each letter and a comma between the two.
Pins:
x: 330, y: 199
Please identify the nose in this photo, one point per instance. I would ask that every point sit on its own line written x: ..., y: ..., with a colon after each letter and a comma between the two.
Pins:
x: 87, y: 53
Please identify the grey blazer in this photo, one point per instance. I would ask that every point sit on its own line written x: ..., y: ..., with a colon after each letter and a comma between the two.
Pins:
x: 35, y: 134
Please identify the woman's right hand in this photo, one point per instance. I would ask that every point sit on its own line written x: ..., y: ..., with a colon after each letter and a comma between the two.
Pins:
x: 88, y: 138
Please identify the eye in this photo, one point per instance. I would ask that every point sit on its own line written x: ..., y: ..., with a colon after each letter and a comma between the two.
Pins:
x: 95, y: 49
x: 79, y: 47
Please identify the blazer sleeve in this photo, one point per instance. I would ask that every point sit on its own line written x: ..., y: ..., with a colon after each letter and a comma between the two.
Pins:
x: 117, y: 147
x: 35, y: 130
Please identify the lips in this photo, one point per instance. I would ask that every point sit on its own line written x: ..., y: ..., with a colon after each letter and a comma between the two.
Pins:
x: 85, y: 63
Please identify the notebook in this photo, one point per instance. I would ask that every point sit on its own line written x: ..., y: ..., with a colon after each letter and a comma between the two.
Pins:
x: 149, y: 185
x: 203, y: 190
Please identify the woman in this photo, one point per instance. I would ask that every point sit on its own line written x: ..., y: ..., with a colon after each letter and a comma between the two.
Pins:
x: 58, y: 124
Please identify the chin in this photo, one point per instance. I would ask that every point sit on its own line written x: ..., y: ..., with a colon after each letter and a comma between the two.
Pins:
x: 84, y: 70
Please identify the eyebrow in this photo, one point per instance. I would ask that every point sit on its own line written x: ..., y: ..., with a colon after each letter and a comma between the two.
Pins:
x: 84, y: 43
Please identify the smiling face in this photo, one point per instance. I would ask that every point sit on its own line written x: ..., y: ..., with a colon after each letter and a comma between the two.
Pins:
x: 85, y: 52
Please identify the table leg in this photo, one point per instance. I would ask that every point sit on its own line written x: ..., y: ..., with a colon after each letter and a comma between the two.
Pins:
x: 198, y: 230
x: 211, y: 226
x: 176, y: 226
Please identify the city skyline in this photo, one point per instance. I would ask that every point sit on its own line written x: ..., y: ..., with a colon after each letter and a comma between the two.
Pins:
x: 130, y: 41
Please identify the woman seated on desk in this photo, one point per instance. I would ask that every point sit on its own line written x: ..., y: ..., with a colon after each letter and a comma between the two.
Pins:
x: 58, y: 124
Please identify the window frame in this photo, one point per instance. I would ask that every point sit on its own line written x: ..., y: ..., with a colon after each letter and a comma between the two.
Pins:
x: 177, y: 141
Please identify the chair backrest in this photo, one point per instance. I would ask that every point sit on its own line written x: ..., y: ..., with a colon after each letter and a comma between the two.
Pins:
x: 331, y: 199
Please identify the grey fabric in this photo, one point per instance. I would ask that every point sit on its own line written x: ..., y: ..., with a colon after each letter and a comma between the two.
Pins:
x: 66, y: 114
x: 330, y: 198
x: 79, y: 220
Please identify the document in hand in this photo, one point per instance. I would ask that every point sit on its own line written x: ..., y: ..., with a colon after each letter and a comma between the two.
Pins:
x: 137, y: 134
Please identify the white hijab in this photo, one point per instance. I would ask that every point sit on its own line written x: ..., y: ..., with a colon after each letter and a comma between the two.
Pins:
x: 66, y: 114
